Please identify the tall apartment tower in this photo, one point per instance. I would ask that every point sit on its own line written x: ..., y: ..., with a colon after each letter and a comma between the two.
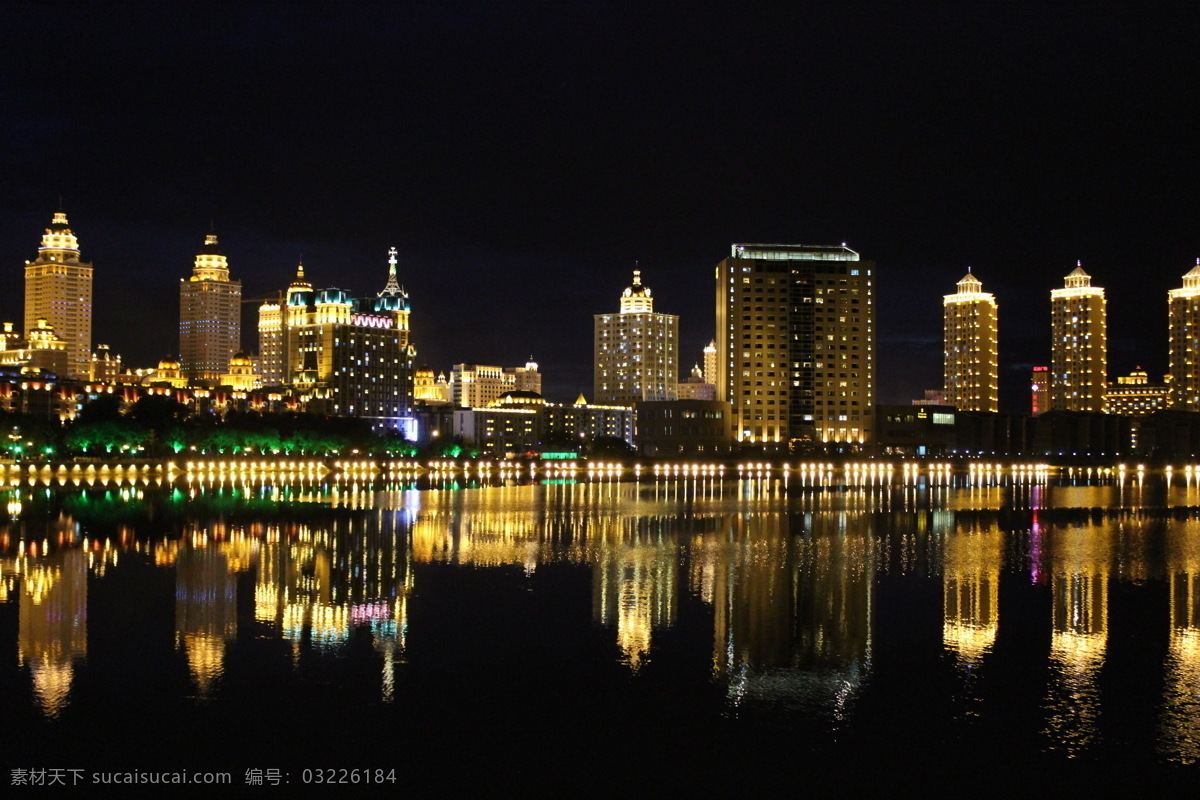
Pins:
x: 210, y: 316
x: 1079, y: 345
x: 972, y: 366
x: 1183, y: 308
x: 58, y: 289
x: 637, y: 350
x: 796, y: 343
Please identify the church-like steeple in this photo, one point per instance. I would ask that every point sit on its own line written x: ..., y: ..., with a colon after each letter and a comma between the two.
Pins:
x: 393, y: 297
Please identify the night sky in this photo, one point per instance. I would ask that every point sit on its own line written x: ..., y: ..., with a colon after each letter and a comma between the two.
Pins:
x: 523, y: 156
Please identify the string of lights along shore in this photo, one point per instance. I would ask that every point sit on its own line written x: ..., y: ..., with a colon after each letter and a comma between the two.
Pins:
x: 791, y: 367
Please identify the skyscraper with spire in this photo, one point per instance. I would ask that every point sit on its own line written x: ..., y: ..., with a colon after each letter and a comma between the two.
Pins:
x: 972, y: 367
x: 210, y: 316
x: 58, y: 289
x: 354, y: 355
x: 1183, y: 310
x: 1079, y: 344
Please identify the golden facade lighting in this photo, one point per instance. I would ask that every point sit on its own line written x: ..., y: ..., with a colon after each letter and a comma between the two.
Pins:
x: 972, y: 367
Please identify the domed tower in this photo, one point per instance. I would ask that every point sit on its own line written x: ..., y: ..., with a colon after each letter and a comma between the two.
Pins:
x: 58, y: 288
x: 636, y: 350
x: 210, y: 316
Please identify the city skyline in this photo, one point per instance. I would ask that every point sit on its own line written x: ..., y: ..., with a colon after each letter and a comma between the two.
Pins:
x: 536, y: 153
x: 1018, y: 403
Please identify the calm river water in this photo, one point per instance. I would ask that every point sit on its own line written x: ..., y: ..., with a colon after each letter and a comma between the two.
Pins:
x: 966, y: 635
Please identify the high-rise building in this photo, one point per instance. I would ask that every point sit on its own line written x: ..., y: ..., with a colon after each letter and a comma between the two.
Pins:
x: 1183, y: 307
x: 1079, y: 354
x: 210, y: 316
x: 972, y: 367
x: 637, y: 350
x: 58, y: 289
x: 796, y: 343
x: 355, y: 353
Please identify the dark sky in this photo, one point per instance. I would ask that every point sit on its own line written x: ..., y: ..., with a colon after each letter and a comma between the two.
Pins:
x: 523, y: 155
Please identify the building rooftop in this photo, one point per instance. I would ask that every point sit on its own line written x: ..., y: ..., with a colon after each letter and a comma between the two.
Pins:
x: 795, y: 252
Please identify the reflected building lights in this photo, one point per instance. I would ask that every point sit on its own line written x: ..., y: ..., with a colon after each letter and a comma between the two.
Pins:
x: 1179, y: 725
x: 52, y: 632
x: 971, y: 592
x: 205, y: 612
x: 635, y: 584
x: 1080, y: 565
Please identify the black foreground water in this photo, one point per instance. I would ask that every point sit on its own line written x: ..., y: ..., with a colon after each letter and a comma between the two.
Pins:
x: 969, y: 636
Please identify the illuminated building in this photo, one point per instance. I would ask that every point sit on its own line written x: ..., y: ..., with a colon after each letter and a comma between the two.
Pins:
x: 1079, y: 355
x: 105, y: 365
x: 972, y: 367
x: 41, y: 349
x: 1183, y: 306
x: 240, y: 376
x: 58, y: 288
x: 210, y: 316
x: 694, y: 387
x: 520, y: 422
x: 710, y: 364
x: 168, y: 372
x: 1039, y: 390
x: 274, y: 320
x: 1134, y: 395
x: 636, y: 350
x: 477, y: 386
x: 354, y: 353
x: 526, y: 378
x: 796, y: 343
x: 429, y: 389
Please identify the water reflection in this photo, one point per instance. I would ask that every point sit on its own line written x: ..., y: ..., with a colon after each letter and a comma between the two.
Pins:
x: 971, y: 590
x: 205, y: 611
x: 793, y: 610
x: 1180, y: 723
x: 52, y: 633
x: 1080, y: 558
x: 777, y: 579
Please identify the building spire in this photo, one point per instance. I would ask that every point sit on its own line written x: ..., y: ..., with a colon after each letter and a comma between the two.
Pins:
x: 393, y: 285
x: 393, y: 297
